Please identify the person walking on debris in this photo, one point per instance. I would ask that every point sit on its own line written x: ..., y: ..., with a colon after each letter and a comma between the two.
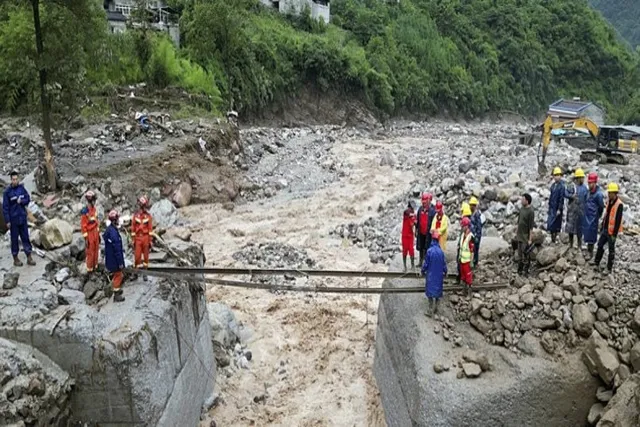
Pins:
x: 435, y: 270
x: 14, y: 209
x: 441, y: 223
x: 594, y: 206
x: 114, y: 255
x: 424, y: 216
x: 611, y: 227
x: 476, y: 229
x: 577, y: 195
x: 408, y: 231
x: 556, y: 204
x: 90, y: 227
x: 465, y: 253
x: 141, y: 228
x: 524, y: 234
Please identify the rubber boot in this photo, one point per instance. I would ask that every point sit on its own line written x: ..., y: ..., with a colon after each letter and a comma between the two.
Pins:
x: 554, y: 236
x: 30, y: 260
x: 435, y: 305
x: 468, y: 290
x: 413, y: 263
x: 428, y: 312
x: 525, y: 272
x: 579, y: 246
x: 570, y: 241
x: 404, y: 263
x: 144, y: 278
x: 17, y: 262
x: 118, y: 297
x: 589, y: 250
x: 520, y: 268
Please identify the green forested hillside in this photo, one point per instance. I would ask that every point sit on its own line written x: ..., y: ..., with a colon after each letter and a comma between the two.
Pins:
x: 459, y: 57
x: 624, y: 15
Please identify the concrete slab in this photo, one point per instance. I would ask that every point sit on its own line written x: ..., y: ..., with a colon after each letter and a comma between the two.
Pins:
x: 528, y: 391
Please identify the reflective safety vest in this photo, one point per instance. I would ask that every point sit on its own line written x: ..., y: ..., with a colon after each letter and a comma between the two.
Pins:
x: 611, y: 227
x: 465, y: 251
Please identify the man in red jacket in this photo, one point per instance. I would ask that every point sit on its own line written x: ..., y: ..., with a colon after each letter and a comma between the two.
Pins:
x: 408, y: 230
x: 424, y: 216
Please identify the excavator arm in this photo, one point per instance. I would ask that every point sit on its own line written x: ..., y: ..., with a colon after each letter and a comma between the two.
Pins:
x: 549, y: 125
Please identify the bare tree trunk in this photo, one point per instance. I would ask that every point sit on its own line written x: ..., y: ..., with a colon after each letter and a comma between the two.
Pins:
x: 44, y: 99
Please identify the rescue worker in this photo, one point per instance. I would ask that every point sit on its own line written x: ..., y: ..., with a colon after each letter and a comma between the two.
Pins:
x: 435, y: 270
x: 556, y: 205
x: 424, y: 216
x: 114, y: 255
x: 466, y: 210
x: 611, y: 227
x: 141, y: 227
x: 90, y: 227
x: 465, y: 253
x: 577, y: 195
x: 408, y: 231
x: 594, y: 206
x: 476, y: 229
x: 14, y: 210
x: 441, y: 223
x: 524, y: 234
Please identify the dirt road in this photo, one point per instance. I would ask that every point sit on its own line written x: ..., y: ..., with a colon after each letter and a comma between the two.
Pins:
x: 312, y: 354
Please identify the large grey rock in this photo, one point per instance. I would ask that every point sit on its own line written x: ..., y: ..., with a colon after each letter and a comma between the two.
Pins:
x: 595, y: 413
x: 182, y: 195
x: 605, y: 298
x: 521, y: 390
x: 548, y: 255
x: 10, y: 280
x: 583, y: 320
x: 55, y: 233
x: 634, y: 357
x: 70, y: 297
x: 600, y: 359
x: 224, y: 327
x: 164, y: 213
x: 623, y: 409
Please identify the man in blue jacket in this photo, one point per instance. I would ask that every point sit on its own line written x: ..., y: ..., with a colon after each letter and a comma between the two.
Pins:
x: 594, y: 206
x: 14, y: 209
x: 434, y: 270
x: 114, y: 255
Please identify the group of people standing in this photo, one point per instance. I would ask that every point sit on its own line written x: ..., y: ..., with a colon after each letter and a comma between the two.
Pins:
x: 429, y: 228
x: 585, y: 207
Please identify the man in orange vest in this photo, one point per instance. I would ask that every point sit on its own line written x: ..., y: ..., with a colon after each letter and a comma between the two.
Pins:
x: 611, y: 227
x: 141, y: 227
x: 90, y: 227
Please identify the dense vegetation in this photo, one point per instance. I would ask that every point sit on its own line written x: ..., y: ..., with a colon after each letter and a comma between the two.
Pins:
x: 624, y: 15
x: 433, y: 56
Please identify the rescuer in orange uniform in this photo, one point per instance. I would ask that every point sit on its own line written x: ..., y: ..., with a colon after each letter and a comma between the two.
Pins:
x: 141, y: 227
x: 90, y: 227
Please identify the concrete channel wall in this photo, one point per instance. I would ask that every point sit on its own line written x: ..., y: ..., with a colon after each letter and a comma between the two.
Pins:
x: 148, y: 360
x: 519, y: 392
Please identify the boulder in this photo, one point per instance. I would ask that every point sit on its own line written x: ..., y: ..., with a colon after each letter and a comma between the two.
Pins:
x: 479, y: 358
x: 600, y: 359
x: 471, y: 370
x: 635, y: 324
x: 70, y: 297
x: 595, y: 413
x: 56, y: 233
x: 483, y: 326
x: 224, y: 327
x: 182, y: 195
x: 10, y: 280
x: 634, y: 357
x: 78, y: 246
x: 624, y: 408
x: 604, y: 298
x: 548, y: 256
x: 164, y: 213
x: 583, y: 320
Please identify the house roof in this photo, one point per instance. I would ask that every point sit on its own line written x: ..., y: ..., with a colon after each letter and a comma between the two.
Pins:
x: 116, y: 16
x: 569, y: 106
x: 628, y: 128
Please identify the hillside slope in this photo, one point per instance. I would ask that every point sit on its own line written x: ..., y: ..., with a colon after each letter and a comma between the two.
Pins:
x: 624, y: 15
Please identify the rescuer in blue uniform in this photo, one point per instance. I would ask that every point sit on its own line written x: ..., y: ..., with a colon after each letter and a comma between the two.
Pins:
x: 556, y: 205
x: 434, y: 269
x: 14, y: 209
x: 593, y: 211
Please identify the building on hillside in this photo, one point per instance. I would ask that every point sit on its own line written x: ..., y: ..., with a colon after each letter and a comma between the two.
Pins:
x: 159, y: 16
x: 564, y: 109
x: 319, y: 9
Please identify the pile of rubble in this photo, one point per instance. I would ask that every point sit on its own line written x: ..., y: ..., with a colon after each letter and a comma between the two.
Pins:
x: 274, y: 255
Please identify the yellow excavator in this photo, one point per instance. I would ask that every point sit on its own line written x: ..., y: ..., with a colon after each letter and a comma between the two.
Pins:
x: 610, y: 141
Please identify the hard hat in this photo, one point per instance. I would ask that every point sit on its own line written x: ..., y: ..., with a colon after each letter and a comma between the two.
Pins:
x: 426, y: 196
x: 113, y: 215
x: 466, y: 210
x: 557, y: 171
x: 439, y: 207
x: 143, y: 201
x: 473, y: 201
x: 90, y: 195
x: 435, y: 234
x: 612, y: 187
x: 465, y: 222
x: 464, y: 205
x: 579, y: 173
x: 592, y: 177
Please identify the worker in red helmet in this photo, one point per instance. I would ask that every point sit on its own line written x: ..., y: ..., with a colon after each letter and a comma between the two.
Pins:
x: 465, y: 253
x: 594, y: 207
x: 141, y: 228
x: 408, y: 231
x: 434, y: 270
x: 424, y: 217
x: 114, y: 255
x: 90, y: 227
x: 441, y: 223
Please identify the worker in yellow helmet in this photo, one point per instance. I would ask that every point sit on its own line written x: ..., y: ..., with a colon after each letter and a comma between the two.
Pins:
x: 476, y: 228
x: 577, y: 200
x: 466, y: 210
x: 556, y: 204
x: 611, y: 226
